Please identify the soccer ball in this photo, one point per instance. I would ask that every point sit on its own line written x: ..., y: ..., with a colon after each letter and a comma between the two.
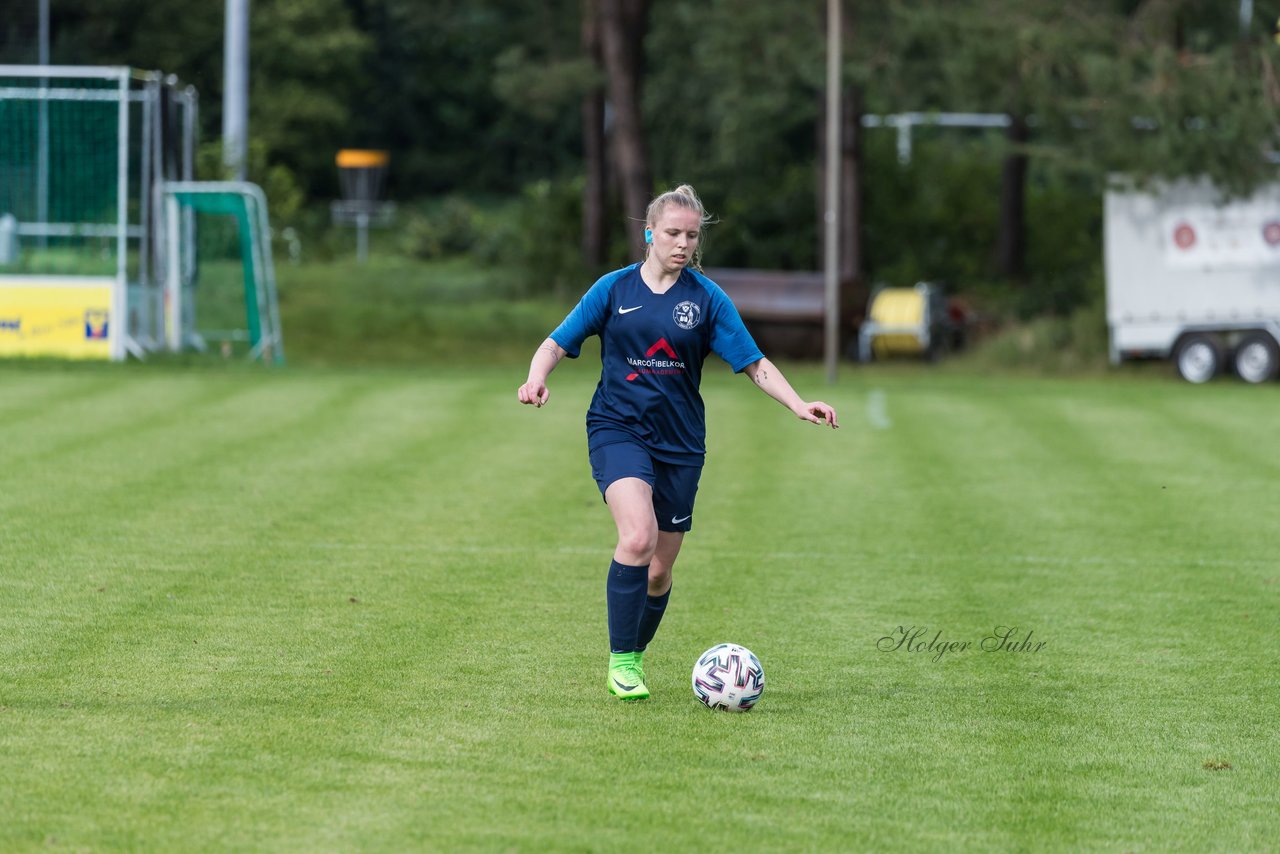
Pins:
x: 728, y: 677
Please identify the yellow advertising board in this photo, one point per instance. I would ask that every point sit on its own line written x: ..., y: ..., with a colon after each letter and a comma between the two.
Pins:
x: 68, y: 318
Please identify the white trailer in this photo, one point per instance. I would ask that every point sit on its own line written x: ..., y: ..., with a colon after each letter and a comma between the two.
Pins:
x: 1195, y: 278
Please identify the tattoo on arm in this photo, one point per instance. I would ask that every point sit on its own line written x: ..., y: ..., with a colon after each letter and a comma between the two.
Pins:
x: 552, y: 349
x: 761, y: 377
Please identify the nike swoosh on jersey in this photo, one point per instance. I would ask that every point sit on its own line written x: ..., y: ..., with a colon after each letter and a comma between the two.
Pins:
x: 622, y: 310
x: 675, y: 521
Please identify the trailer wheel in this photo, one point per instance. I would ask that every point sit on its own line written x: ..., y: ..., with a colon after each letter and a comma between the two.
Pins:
x: 1257, y: 358
x: 1199, y: 358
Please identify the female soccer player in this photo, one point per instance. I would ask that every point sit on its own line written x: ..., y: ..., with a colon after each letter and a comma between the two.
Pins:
x: 657, y: 321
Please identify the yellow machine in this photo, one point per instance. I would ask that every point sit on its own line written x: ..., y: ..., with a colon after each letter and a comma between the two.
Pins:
x: 904, y: 322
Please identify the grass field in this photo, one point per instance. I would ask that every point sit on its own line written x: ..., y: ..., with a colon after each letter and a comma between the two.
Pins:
x: 363, y: 610
x: 390, y: 311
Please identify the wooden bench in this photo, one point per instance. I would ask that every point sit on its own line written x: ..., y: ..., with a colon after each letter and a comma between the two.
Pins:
x: 785, y: 311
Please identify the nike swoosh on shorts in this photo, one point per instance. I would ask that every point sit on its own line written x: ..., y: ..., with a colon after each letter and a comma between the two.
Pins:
x: 675, y: 521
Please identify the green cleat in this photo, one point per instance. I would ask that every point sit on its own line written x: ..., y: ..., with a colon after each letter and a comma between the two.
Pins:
x: 626, y: 679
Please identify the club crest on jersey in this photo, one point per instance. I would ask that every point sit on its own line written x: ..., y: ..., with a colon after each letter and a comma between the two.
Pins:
x: 687, y: 314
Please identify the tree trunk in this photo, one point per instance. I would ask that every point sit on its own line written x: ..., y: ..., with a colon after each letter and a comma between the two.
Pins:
x: 623, y: 24
x: 595, y: 188
x: 853, y: 294
x: 1011, y: 242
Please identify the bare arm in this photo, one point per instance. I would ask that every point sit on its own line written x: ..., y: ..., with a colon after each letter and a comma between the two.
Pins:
x: 545, y: 359
x: 769, y: 379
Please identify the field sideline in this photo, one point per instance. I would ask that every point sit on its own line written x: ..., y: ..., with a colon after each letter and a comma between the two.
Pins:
x: 363, y: 610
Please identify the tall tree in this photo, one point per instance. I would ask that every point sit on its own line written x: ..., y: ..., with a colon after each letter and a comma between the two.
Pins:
x: 478, y: 96
x: 1011, y: 57
x: 595, y: 175
x: 735, y: 91
x: 623, y: 25
x: 305, y: 66
x: 1184, y: 93
x: 1011, y: 235
x: 854, y: 291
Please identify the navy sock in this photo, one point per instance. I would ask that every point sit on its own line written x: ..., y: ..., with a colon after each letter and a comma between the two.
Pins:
x: 654, y: 608
x: 625, y: 593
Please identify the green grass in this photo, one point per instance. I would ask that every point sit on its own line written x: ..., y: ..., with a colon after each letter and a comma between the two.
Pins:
x: 390, y: 311
x: 363, y: 610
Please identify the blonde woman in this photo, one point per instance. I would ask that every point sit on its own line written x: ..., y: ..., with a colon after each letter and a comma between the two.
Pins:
x: 658, y: 320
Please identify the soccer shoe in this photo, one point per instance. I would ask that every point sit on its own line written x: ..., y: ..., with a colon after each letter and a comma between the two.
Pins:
x: 640, y: 663
x: 626, y: 681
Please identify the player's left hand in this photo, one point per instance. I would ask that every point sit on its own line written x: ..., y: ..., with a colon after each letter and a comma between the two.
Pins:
x: 818, y: 412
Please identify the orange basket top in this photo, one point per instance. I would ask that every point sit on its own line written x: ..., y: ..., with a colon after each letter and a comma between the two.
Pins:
x: 359, y: 158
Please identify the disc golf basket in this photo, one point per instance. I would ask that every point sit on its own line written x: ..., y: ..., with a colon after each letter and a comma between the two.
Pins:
x: 362, y: 175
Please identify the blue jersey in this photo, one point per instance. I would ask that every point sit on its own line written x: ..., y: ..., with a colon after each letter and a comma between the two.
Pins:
x: 652, y: 347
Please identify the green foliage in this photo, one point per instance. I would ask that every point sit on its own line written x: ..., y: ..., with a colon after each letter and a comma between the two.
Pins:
x: 1072, y: 343
x: 548, y: 236
x: 1164, y: 90
x: 449, y: 227
x: 533, y: 237
x: 995, y: 55
x: 444, y: 92
x: 393, y: 311
x: 932, y: 219
x: 306, y: 59
x: 1177, y: 114
x: 307, y: 77
x: 742, y: 132
x: 542, y: 90
x: 481, y: 99
x: 285, y: 196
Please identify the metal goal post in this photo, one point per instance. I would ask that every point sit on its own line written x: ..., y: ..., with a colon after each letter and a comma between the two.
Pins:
x: 245, y: 205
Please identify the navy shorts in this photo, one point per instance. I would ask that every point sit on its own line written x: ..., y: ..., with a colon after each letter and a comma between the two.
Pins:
x: 674, y: 486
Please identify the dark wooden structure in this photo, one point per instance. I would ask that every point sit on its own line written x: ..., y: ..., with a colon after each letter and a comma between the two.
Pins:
x: 784, y: 310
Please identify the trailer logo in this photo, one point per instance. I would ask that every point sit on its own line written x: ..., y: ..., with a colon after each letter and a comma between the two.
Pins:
x: 1184, y: 235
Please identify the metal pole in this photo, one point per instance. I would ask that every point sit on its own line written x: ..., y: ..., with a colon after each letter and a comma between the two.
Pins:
x: 235, y: 93
x: 42, y: 151
x: 146, y: 123
x: 362, y: 238
x: 188, y: 242
x: 118, y: 331
x: 44, y: 32
x: 173, y: 308
x: 831, y: 259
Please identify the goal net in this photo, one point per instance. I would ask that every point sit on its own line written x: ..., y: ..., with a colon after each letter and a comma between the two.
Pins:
x: 227, y: 270
x: 82, y: 152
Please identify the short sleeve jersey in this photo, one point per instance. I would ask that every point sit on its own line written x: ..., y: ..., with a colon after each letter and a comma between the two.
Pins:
x: 652, y: 348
